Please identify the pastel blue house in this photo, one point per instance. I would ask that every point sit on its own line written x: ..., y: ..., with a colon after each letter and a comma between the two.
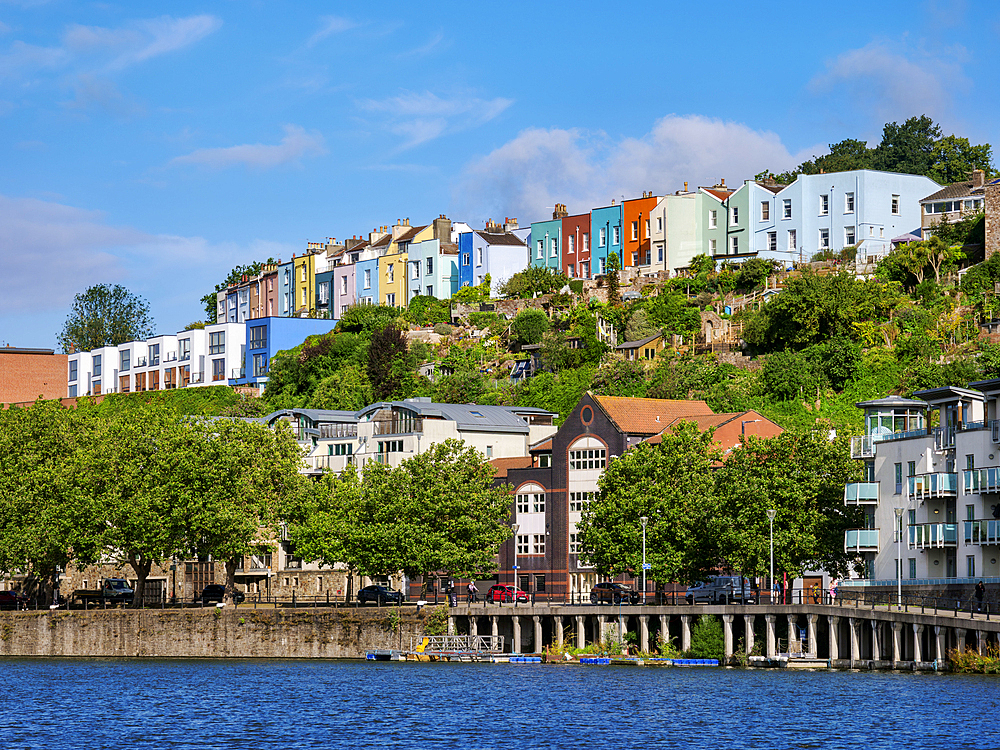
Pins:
x: 267, y: 336
x: 546, y: 240
x: 366, y: 279
x: 432, y: 268
x: 863, y: 208
x: 606, y: 237
x: 465, y: 272
x: 286, y: 288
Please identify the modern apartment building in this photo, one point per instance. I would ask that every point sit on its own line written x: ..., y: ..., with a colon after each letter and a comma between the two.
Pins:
x: 930, y: 488
x: 189, y: 358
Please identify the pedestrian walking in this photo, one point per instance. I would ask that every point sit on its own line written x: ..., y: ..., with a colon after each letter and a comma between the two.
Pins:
x: 452, y: 594
x: 980, y: 593
x: 472, y: 592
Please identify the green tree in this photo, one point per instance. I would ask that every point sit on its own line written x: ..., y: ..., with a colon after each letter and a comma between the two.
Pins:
x: 614, y: 266
x: 423, y: 310
x: 955, y: 158
x: 670, y: 483
x: 365, y: 320
x: 529, y: 326
x: 48, y: 517
x: 941, y: 255
x: 532, y: 281
x: 473, y: 295
x: 907, y: 148
x: 708, y: 641
x: 802, y: 477
x: 236, y: 476
x: 105, y: 315
x: 969, y: 230
x: 387, y: 363
x: 789, y: 375
x: 347, y: 388
x: 466, y: 387
x: 210, y: 300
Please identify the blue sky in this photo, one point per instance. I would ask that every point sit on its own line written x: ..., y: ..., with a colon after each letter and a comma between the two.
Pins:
x: 158, y: 144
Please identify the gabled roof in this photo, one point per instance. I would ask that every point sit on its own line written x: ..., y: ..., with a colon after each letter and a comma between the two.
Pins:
x: 647, y: 416
x: 773, y: 187
x: 637, y: 344
x: 720, y: 194
x: 316, y: 415
x: 383, y: 242
x: 500, y: 238
x: 897, y: 402
x: 954, y: 190
x: 407, y: 236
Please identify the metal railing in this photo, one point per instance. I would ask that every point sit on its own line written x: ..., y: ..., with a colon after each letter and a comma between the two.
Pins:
x: 985, y: 531
x: 932, y: 535
x: 861, y: 540
x: 944, y: 438
x: 861, y: 493
x: 981, y: 480
x: 461, y: 643
x: 938, y: 484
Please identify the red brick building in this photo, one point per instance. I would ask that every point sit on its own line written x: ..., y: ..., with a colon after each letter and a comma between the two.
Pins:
x: 26, y: 374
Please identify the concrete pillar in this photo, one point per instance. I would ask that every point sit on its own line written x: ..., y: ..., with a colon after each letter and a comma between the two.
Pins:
x: 793, y: 629
x: 558, y: 622
x: 939, y: 636
x: 644, y: 633
x: 581, y: 633
x: 812, y: 619
x: 918, y: 645
x: 727, y: 625
x: 685, y: 633
x: 600, y: 629
x: 771, y: 650
x: 473, y: 625
x: 451, y: 625
x: 876, y: 646
x: 622, y: 629
x: 515, y: 641
x: 748, y: 621
x: 897, y: 641
x: 664, y: 629
x: 494, y: 627
x: 537, y: 644
x: 853, y: 623
x: 834, y: 625
x: 960, y: 638
x: 980, y: 641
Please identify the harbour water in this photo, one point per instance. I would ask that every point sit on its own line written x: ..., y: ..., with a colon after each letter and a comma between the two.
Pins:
x: 208, y: 704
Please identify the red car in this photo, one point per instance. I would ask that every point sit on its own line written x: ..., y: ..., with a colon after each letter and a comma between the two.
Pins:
x: 506, y: 593
x: 12, y: 600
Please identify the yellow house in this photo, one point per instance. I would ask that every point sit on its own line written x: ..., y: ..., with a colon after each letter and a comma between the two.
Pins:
x: 304, y: 274
x: 393, y: 250
x: 646, y: 349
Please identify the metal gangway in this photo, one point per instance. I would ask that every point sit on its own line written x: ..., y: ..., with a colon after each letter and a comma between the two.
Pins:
x: 457, y: 644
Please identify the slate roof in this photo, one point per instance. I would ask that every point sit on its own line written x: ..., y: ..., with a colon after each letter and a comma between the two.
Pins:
x: 636, y: 344
x: 469, y: 417
x: 647, y: 416
x: 407, y: 236
x: 500, y: 238
x: 316, y: 415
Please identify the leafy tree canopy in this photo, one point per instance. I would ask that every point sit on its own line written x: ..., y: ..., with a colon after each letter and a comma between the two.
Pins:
x: 105, y: 315
x: 532, y: 281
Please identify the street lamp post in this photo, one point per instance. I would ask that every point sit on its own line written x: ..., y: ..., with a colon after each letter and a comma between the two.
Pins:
x: 771, y: 513
x: 899, y: 557
x: 514, y: 527
x: 643, y: 520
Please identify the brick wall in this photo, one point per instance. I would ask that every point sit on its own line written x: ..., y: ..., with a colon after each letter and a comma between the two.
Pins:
x: 24, y: 376
x: 992, y: 196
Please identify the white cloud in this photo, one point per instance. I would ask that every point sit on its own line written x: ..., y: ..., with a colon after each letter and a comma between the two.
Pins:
x: 62, y: 249
x: 296, y: 144
x: 890, y: 85
x: 528, y: 175
x: 422, y: 117
x: 329, y: 25
x: 24, y: 59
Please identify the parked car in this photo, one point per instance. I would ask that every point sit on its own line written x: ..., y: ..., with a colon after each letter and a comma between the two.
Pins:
x: 721, y: 590
x: 614, y: 593
x: 380, y: 595
x: 215, y: 592
x: 506, y: 593
x: 110, y: 591
x: 12, y: 600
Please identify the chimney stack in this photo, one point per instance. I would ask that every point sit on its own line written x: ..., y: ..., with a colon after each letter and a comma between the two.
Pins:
x: 978, y: 178
x: 442, y: 228
x: 560, y: 211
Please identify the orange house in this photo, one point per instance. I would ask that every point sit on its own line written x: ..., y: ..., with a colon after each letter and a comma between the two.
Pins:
x: 636, y: 245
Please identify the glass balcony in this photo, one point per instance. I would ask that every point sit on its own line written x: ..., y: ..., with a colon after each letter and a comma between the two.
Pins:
x: 861, y: 493
x: 861, y: 540
x: 939, y: 484
x: 944, y: 438
x: 863, y: 446
x: 975, y: 481
x: 986, y: 531
x: 932, y: 535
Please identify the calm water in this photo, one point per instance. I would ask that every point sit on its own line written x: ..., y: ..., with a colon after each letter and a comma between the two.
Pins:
x: 204, y: 705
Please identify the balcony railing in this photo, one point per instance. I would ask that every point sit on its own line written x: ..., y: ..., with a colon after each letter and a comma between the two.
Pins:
x: 863, y: 446
x: 932, y: 535
x: 986, y: 531
x: 338, y: 430
x: 334, y: 463
x: 938, y: 484
x: 861, y: 540
x: 861, y: 493
x: 981, y: 480
x: 944, y: 438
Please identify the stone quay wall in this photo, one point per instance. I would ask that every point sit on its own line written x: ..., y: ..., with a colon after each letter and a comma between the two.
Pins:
x: 210, y: 632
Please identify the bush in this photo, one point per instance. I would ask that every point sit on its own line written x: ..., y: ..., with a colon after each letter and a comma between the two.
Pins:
x: 529, y: 326
x: 707, y: 639
x: 443, y: 329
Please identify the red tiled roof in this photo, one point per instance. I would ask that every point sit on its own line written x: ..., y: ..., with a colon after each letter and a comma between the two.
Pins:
x: 502, y: 465
x: 720, y: 194
x: 648, y: 416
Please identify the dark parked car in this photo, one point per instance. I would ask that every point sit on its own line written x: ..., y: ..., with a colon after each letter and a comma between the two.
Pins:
x: 12, y: 600
x: 615, y: 593
x: 380, y: 595
x: 215, y: 592
x: 506, y: 593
